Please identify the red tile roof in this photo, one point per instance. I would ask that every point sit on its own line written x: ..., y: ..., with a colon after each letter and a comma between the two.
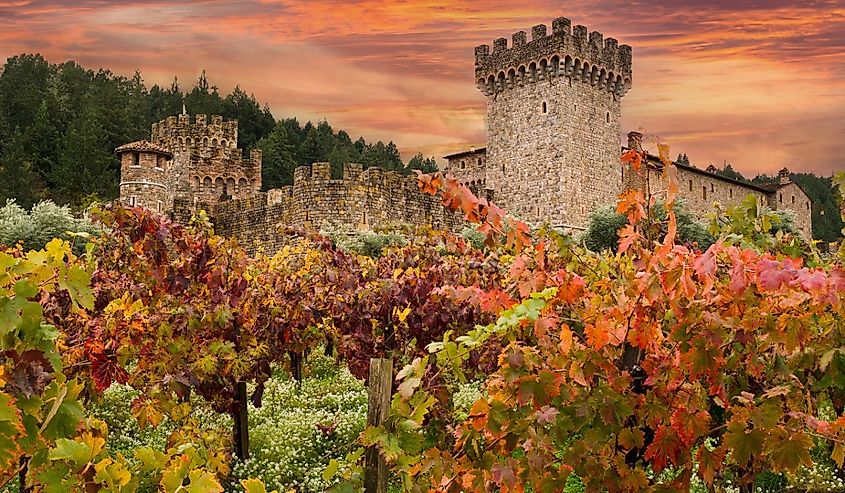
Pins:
x: 143, y: 146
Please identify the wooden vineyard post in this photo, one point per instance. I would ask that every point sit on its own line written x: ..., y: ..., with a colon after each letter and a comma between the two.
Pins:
x: 378, y: 407
x: 241, y: 422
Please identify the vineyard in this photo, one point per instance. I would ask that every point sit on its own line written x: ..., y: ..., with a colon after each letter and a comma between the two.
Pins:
x: 161, y: 357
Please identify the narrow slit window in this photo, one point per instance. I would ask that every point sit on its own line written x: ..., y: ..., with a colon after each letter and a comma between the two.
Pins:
x: 545, y: 107
x: 704, y: 192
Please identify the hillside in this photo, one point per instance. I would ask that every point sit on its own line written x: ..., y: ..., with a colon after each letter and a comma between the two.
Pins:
x: 59, y: 125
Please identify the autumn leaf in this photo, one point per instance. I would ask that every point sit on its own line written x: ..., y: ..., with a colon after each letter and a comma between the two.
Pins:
x: 664, y: 449
x: 689, y: 425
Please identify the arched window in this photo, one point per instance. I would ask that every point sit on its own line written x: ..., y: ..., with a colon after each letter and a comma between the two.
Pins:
x: 206, y: 183
x: 242, y: 185
x: 205, y: 142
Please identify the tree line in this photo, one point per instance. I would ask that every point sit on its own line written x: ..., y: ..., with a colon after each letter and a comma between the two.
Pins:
x: 60, y: 123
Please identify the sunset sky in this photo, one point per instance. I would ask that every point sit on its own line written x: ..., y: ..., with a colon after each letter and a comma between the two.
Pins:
x: 758, y: 83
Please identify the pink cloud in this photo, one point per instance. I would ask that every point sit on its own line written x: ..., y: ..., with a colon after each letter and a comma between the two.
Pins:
x: 758, y: 86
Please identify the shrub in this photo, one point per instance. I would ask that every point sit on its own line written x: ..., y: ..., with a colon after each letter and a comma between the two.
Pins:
x: 603, y: 228
x: 299, y: 428
x: 367, y: 243
x: 35, y: 228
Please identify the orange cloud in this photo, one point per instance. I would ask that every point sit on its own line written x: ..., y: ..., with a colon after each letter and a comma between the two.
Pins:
x: 758, y: 86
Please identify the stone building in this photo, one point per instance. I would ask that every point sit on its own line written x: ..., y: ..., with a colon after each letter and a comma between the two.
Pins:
x: 700, y: 189
x: 553, y: 122
x: 553, y: 127
x: 185, y: 159
x: 554, y: 106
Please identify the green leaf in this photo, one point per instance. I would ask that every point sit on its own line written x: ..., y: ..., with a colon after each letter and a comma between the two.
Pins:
x: 77, y: 452
x: 328, y: 473
x: 203, y: 482
x: 151, y: 460
x: 743, y: 442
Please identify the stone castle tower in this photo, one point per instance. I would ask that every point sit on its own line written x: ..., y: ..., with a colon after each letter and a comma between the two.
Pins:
x: 553, y: 123
x: 185, y: 159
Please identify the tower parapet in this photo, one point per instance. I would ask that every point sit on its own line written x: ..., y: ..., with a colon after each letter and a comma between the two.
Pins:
x: 179, y: 133
x: 566, y: 52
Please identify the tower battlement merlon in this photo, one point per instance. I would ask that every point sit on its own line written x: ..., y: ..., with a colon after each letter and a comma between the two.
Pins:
x: 566, y: 52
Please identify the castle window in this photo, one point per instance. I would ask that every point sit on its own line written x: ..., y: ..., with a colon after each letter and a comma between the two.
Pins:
x: 690, y: 185
x: 704, y: 192
x: 479, y: 161
x: 780, y: 198
x: 607, y: 117
x: 545, y: 107
x: 363, y: 218
x: 132, y: 201
x: 731, y: 192
x: 793, y: 200
x: 808, y: 206
x: 463, y: 164
x: 711, y: 187
x: 503, y: 167
x: 159, y: 206
x: 136, y: 159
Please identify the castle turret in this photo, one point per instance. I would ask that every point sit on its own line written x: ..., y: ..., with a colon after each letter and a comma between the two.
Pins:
x: 553, y: 120
x: 144, y: 167
x: 207, y: 163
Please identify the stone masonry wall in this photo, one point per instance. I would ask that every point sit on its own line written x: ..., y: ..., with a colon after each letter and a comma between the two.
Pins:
x: 553, y: 121
x: 143, y: 178
x: 700, y: 190
x: 791, y: 197
x: 207, y: 161
x: 559, y: 165
x: 362, y: 199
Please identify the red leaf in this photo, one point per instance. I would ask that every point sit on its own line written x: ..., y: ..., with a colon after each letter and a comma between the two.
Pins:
x: 665, y: 448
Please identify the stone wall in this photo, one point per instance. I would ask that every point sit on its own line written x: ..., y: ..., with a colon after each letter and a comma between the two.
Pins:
x: 553, y: 150
x: 790, y: 197
x: 553, y: 122
x: 207, y: 162
x: 700, y: 190
x: 362, y: 199
x: 143, y: 178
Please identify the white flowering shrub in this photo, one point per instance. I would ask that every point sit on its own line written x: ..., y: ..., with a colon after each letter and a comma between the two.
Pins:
x: 35, y: 228
x: 464, y: 397
x: 301, y: 427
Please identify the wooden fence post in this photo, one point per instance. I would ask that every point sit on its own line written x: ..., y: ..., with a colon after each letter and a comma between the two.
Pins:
x: 241, y: 422
x: 378, y: 408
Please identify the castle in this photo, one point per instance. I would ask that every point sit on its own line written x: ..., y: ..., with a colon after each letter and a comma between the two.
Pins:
x: 554, y: 107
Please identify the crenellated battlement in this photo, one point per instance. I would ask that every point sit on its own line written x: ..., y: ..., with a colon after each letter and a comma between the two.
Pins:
x: 566, y: 52
x: 179, y: 132
x: 353, y: 174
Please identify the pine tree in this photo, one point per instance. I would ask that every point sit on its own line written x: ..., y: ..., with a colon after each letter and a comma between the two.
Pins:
x: 86, y: 170
x: 422, y: 163
x: 277, y: 162
x: 18, y: 178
